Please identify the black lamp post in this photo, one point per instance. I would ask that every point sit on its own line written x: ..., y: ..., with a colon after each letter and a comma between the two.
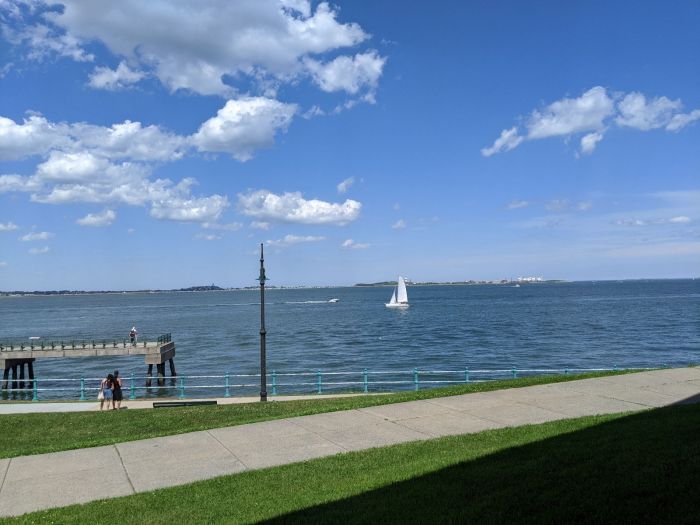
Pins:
x: 263, y: 371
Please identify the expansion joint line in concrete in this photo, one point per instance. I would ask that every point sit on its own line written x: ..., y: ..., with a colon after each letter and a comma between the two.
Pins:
x: 466, y: 412
x: 228, y: 450
x: 126, y: 472
x: 319, y: 435
x: 4, y: 475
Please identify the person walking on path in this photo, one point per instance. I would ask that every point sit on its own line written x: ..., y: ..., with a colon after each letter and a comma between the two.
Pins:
x: 117, y: 391
x: 105, y: 393
x: 132, y: 335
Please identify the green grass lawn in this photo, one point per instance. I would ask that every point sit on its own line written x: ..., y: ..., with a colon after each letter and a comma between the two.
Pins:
x: 638, y: 468
x: 51, y: 432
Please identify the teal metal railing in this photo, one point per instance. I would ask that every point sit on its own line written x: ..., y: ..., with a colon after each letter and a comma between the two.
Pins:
x: 281, y: 383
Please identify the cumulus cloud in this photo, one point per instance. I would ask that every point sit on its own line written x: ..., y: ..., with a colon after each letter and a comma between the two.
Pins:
x: 243, y: 126
x: 345, y: 73
x: 590, y: 115
x: 114, y: 79
x: 231, y: 227
x: 8, y: 226
x: 289, y: 240
x: 516, y: 204
x: 293, y: 208
x: 352, y: 245
x: 36, y: 236
x: 681, y: 120
x: 203, y: 209
x: 97, y: 220
x: 344, y: 186
x: 260, y: 225
x: 199, y: 43
x: 636, y: 112
x: 508, y: 140
x: 39, y: 251
x: 589, y: 142
x: 399, y: 225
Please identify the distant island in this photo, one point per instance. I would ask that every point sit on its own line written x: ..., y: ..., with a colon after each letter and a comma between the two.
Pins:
x: 519, y: 280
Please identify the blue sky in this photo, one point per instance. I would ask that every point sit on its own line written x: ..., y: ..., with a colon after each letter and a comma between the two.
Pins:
x: 156, y: 144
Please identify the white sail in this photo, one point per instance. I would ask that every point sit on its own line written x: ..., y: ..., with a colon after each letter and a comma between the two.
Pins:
x: 399, y: 297
x: 402, y: 296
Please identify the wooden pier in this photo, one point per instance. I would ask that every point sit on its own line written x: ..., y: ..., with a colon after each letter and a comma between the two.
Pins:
x: 14, y: 356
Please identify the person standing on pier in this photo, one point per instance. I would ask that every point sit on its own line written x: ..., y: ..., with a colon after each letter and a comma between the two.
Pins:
x: 132, y: 335
x: 105, y: 393
x: 117, y: 391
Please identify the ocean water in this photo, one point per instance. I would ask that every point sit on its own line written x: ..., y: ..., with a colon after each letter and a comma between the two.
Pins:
x: 549, y: 325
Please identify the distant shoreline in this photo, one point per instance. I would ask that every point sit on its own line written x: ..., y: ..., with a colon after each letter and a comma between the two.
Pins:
x: 200, y: 289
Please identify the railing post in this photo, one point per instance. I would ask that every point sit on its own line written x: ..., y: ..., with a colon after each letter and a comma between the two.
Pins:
x: 226, y: 392
x: 318, y: 375
x: 274, y: 383
x: 466, y: 375
x: 132, y: 388
x: 82, y: 388
x: 182, y: 388
x: 364, y: 380
x: 35, y: 396
x: 415, y: 378
x: 515, y: 373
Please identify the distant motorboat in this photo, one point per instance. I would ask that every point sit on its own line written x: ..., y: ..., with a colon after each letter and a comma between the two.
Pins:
x: 516, y: 286
x: 399, y: 297
x: 334, y: 300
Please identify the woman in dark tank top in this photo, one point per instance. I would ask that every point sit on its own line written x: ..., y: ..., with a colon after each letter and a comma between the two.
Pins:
x: 117, y: 391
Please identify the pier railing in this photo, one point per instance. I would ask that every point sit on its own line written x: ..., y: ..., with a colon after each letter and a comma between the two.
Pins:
x: 279, y: 383
x: 77, y: 343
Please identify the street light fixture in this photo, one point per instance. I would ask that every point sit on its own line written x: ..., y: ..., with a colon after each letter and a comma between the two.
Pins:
x: 263, y: 358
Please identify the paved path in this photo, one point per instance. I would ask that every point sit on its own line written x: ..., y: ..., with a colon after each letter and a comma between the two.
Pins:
x: 29, y: 407
x: 51, y: 480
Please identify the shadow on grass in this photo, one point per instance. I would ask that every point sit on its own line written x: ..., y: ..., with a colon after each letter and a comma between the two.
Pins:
x: 640, y: 468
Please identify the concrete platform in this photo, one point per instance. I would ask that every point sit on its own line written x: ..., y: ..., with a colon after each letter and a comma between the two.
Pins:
x: 51, y: 480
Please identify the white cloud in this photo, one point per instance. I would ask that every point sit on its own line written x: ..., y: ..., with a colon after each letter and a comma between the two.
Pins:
x: 344, y: 186
x: 231, y: 227
x: 399, y: 225
x: 589, y: 142
x: 260, y: 225
x: 514, y: 205
x: 557, y: 205
x: 508, y: 140
x: 36, y: 236
x: 3, y: 264
x: 97, y: 220
x: 35, y: 136
x: 681, y: 219
x: 636, y: 112
x: 192, y: 45
x: 203, y: 209
x: 584, y: 205
x: 350, y: 244
x: 113, y: 79
x: 289, y: 240
x: 8, y: 227
x: 681, y: 120
x: 571, y: 115
x: 207, y: 237
x: 292, y: 207
x: 345, y: 73
x: 243, y: 126
x: 591, y: 114
x: 39, y: 251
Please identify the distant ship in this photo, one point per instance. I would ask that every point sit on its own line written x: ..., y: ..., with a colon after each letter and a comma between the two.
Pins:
x: 399, y: 298
x: 334, y: 300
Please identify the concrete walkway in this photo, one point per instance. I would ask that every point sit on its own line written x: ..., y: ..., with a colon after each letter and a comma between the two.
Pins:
x: 31, y: 483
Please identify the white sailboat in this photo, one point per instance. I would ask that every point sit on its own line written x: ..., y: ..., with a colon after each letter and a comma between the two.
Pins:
x: 399, y: 297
